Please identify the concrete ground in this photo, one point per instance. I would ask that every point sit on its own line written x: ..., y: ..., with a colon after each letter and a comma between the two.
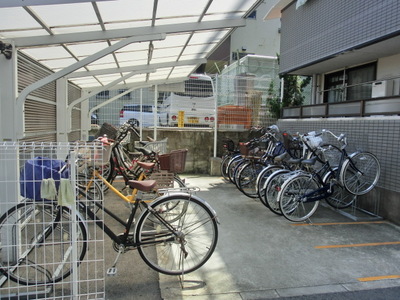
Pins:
x: 261, y: 255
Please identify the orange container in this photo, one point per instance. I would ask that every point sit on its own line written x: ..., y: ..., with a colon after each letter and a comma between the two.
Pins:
x: 234, y: 114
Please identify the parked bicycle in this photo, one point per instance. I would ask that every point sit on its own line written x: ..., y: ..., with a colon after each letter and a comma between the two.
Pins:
x: 175, y: 234
x: 356, y: 174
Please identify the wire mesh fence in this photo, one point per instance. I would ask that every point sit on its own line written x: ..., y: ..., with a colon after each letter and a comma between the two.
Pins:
x: 238, y: 98
x: 48, y: 250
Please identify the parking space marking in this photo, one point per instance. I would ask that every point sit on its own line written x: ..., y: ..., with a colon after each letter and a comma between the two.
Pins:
x: 357, y: 245
x: 338, y: 223
x: 376, y: 278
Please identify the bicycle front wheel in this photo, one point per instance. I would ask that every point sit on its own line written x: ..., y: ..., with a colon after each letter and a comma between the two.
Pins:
x: 182, y: 239
x: 340, y: 197
x: 36, y: 243
x: 360, y: 173
x: 292, y: 198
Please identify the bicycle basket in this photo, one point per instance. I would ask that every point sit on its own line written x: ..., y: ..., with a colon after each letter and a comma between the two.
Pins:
x: 313, y: 141
x: 35, y: 171
x: 245, y: 148
x: 108, y: 129
x: 290, y: 142
x: 174, y: 161
x: 95, y: 154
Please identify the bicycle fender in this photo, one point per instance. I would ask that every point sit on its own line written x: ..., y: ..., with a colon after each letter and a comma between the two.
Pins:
x: 180, y: 194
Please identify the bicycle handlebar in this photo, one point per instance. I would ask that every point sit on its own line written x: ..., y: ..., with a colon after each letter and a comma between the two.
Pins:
x: 341, y: 138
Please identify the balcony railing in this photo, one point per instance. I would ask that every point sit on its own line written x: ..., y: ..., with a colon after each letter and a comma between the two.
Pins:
x: 384, y: 101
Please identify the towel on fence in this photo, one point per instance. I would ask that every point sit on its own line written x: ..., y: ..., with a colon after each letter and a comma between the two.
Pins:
x: 48, y: 189
x: 66, y: 195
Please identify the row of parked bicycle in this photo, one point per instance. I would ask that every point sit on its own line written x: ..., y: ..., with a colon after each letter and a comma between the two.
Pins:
x: 290, y: 174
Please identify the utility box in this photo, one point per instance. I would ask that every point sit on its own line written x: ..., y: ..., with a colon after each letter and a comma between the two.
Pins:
x: 382, y: 88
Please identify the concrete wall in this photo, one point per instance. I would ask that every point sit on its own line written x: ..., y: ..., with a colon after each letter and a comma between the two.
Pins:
x: 200, y: 145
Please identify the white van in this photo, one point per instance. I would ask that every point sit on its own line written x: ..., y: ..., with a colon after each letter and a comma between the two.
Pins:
x: 196, y: 103
x: 142, y: 116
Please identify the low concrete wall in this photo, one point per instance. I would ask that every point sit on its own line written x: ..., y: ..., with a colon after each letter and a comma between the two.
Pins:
x: 200, y: 145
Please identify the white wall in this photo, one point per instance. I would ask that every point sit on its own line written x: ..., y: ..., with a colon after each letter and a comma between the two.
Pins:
x: 388, y: 67
x: 258, y: 36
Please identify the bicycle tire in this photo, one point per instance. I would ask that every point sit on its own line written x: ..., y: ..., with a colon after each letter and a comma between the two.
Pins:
x: 179, y: 182
x: 89, y: 189
x: 262, y: 178
x: 236, y: 171
x: 224, y: 164
x: 291, y: 194
x: 247, y: 178
x: 271, y: 188
x: 41, y: 243
x: 195, y: 240
x: 360, y: 173
x: 231, y: 167
x: 340, y: 198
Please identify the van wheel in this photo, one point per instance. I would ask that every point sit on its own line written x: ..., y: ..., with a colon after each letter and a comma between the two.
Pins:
x: 134, y: 122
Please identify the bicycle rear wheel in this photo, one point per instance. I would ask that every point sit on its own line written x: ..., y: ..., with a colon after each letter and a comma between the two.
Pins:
x: 272, y: 187
x: 360, y: 173
x: 230, y: 169
x: 36, y: 243
x: 262, y: 178
x: 247, y: 178
x: 224, y: 165
x: 292, y: 200
x: 177, y: 234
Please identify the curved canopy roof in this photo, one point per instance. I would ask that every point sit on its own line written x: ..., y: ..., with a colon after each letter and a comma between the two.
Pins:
x: 97, y: 43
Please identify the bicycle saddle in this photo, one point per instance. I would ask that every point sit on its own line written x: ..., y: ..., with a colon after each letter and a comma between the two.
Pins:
x: 142, y: 185
x: 146, y: 165
x: 144, y: 150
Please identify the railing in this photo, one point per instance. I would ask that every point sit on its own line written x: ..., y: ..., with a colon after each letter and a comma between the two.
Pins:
x: 359, y: 108
x: 384, y: 100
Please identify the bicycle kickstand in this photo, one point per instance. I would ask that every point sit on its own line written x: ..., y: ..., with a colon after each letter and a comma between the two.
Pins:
x: 112, y: 271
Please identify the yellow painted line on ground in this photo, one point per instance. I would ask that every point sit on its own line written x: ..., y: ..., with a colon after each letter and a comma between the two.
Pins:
x: 357, y: 245
x: 338, y: 223
x: 375, y: 278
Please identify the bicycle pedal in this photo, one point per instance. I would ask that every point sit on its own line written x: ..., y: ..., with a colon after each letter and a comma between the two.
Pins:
x: 112, y: 271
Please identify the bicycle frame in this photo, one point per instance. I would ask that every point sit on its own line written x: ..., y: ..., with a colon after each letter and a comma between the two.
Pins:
x: 326, y: 188
x: 118, y: 239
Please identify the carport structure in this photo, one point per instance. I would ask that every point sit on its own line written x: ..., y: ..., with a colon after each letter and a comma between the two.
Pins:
x: 55, y: 54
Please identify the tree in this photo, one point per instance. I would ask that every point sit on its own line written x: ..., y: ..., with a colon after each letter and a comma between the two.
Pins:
x: 293, y: 87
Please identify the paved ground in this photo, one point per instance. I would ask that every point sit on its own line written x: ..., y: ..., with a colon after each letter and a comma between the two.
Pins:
x: 261, y: 255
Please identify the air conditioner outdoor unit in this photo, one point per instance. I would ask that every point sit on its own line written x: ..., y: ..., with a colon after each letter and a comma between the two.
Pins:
x: 382, y: 88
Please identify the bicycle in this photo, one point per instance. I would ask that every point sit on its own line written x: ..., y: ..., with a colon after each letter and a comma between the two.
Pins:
x: 356, y: 174
x: 247, y: 173
x: 121, y: 164
x: 231, y: 152
x: 175, y: 234
x: 302, y: 154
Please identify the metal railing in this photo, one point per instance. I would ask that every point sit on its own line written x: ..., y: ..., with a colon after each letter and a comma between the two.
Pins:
x: 384, y: 100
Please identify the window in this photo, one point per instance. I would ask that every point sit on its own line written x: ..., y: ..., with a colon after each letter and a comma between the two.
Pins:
x: 350, y: 84
x: 103, y: 94
x: 126, y: 96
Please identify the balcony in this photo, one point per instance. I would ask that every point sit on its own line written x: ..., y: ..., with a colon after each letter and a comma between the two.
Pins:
x: 384, y: 100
